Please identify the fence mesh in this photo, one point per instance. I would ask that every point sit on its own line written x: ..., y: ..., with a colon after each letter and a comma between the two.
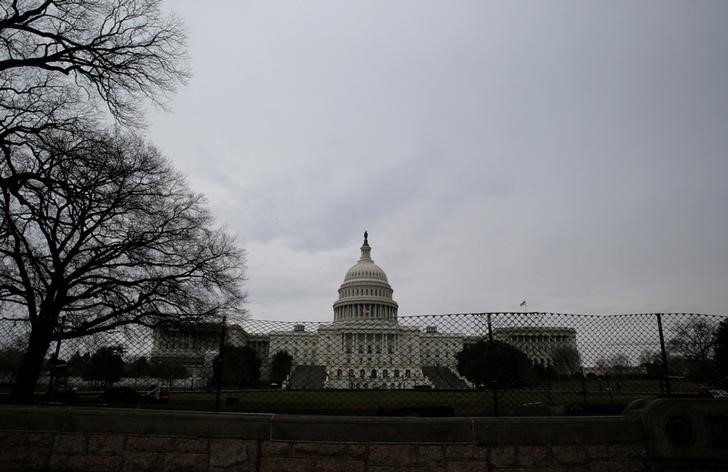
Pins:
x: 481, y: 364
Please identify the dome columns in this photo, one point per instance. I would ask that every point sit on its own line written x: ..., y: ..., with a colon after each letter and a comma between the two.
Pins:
x: 365, y: 294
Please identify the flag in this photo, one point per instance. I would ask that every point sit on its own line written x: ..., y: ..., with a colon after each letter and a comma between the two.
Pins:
x: 523, y: 303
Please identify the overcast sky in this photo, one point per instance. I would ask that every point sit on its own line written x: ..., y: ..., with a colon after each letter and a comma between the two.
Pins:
x: 574, y: 154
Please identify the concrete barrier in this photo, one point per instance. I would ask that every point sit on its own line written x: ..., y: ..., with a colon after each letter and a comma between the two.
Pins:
x: 107, y: 439
x: 686, y: 434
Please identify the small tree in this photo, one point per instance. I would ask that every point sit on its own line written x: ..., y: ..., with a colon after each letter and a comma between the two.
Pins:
x: 240, y: 367
x: 721, y: 350
x: 169, y: 370
x: 651, y: 362
x: 105, y: 365
x: 566, y: 360
x: 280, y: 367
x: 139, y: 367
x: 484, y: 362
x: 694, y: 341
x: 10, y: 359
x: 78, y: 363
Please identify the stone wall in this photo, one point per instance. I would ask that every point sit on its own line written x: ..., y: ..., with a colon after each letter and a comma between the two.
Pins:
x: 132, y: 453
x: 108, y: 440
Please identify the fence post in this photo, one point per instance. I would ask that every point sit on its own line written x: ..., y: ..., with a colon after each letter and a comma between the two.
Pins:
x: 665, y: 368
x: 219, y: 360
x: 548, y: 387
x: 54, y: 361
x: 493, y: 383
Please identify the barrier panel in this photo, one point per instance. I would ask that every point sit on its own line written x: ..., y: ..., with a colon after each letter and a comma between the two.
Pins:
x: 469, y: 364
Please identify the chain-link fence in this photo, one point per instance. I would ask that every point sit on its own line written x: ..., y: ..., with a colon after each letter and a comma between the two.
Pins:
x: 456, y: 364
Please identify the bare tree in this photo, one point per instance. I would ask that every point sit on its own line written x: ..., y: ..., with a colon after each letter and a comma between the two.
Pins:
x: 112, y: 51
x: 694, y: 339
x: 62, y: 62
x: 721, y: 350
x: 104, y: 232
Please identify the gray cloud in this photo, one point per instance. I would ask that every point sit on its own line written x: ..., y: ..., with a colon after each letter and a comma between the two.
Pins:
x: 571, y: 153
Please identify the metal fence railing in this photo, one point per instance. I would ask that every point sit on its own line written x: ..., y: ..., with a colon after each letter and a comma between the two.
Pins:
x: 456, y: 364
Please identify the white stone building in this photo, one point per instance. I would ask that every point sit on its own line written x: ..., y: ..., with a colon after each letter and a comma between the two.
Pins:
x: 538, y: 343
x: 193, y: 345
x: 366, y: 346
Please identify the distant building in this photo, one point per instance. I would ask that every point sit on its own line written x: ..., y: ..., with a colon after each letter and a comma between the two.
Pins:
x: 365, y: 347
x: 192, y: 345
x: 538, y: 343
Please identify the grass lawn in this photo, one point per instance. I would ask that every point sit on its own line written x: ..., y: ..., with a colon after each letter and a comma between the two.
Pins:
x: 519, y: 402
x: 563, y: 397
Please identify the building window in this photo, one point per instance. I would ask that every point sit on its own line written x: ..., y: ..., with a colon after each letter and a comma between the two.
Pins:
x: 385, y: 373
x: 396, y: 373
x: 338, y: 373
x: 407, y: 374
x: 362, y: 374
x: 374, y: 373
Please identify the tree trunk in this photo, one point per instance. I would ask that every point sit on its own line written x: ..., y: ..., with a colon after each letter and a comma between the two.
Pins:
x: 32, y: 364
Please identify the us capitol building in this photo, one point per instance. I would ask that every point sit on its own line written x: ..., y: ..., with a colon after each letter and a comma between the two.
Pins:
x: 365, y: 347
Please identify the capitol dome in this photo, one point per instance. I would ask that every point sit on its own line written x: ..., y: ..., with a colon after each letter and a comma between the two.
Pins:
x: 365, y: 294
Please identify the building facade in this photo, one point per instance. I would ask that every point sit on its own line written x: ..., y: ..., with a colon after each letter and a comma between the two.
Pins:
x: 366, y: 346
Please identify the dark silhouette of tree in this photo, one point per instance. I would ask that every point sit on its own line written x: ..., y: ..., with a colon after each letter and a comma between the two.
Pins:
x: 240, y: 367
x: 280, y: 367
x: 566, y: 360
x: 484, y: 362
x: 694, y: 341
x: 721, y: 350
x: 619, y: 363
x: 10, y: 359
x: 618, y: 366
x: 651, y: 362
x: 168, y: 370
x: 108, y: 234
x: 77, y: 363
x: 63, y: 62
x: 139, y: 367
x: 57, y: 54
x: 105, y: 365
